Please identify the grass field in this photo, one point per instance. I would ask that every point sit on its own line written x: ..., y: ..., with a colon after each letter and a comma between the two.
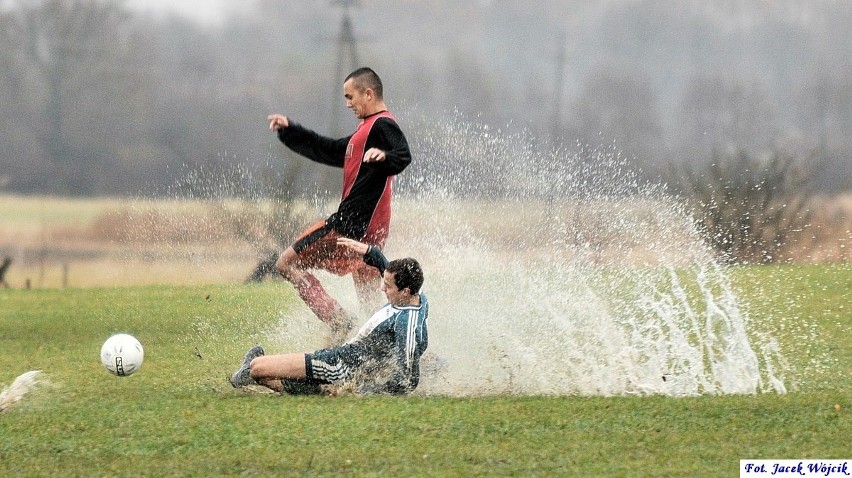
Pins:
x: 179, y: 417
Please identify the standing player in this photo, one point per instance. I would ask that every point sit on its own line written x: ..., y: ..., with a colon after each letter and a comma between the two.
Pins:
x: 370, y: 157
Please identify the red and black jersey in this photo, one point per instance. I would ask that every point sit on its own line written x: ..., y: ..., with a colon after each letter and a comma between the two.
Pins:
x: 365, y: 207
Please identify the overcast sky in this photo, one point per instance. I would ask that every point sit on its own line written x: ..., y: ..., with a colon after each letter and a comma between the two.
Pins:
x: 209, y: 12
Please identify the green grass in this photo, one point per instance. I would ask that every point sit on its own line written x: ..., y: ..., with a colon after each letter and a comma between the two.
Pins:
x: 178, y: 416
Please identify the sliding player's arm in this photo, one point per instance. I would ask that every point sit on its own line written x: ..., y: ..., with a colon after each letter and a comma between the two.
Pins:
x: 372, y: 255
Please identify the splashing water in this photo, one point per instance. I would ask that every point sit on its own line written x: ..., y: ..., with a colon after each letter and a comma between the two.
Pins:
x: 552, y: 272
x: 21, y: 386
x: 556, y: 271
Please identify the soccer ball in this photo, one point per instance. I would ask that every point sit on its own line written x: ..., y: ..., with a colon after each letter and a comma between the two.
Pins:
x: 122, y: 355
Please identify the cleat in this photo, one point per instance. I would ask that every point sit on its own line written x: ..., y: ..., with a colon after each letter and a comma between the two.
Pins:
x: 242, y: 377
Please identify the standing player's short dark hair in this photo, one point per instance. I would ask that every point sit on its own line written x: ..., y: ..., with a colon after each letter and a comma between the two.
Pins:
x: 366, y: 78
x: 407, y: 274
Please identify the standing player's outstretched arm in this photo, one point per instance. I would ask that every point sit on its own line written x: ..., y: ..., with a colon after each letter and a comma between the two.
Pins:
x: 313, y: 145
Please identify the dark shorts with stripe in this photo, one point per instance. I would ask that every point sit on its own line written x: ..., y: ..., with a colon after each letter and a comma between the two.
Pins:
x: 333, y: 364
x: 323, y: 367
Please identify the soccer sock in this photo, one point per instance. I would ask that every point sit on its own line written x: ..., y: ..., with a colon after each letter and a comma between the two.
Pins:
x: 317, y: 299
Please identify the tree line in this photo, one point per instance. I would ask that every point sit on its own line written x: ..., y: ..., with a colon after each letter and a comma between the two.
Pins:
x: 96, y: 99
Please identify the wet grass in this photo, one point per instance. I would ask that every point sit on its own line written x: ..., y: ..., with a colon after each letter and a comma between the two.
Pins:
x: 178, y: 416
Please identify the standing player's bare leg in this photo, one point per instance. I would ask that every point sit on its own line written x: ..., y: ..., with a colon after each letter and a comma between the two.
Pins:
x: 314, y: 295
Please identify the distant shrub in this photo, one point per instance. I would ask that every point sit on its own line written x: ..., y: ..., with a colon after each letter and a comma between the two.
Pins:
x: 754, y: 209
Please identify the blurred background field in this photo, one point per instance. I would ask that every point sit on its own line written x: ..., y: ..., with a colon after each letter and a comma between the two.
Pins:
x: 118, y: 242
x: 59, y: 242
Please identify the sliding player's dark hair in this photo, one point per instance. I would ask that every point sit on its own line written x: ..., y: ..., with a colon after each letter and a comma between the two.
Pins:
x: 407, y: 273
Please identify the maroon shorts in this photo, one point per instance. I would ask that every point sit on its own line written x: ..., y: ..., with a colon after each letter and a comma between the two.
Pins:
x: 317, y: 249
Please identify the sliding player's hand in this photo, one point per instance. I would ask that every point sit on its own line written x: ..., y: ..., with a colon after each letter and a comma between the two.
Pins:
x: 353, y: 245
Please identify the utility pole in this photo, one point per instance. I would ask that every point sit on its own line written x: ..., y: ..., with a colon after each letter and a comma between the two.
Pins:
x: 559, y: 82
x: 347, y: 60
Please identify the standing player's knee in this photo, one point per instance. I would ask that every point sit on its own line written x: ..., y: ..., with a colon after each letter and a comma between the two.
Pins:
x: 282, y: 267
x: 286, y: 267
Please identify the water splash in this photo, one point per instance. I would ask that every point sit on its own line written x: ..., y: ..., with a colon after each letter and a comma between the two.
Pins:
x: 556, y: 272
x: 21, y: 386
x: 551, y: 270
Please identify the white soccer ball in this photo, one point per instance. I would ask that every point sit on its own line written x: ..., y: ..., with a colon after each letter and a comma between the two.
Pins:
x: 122, y: 355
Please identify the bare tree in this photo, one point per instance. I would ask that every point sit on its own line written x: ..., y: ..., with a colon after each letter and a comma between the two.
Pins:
x: 78, y: 64
x: 823, y: 116
x: 718, y: 113
x: 74, y: 71
x: 619, y: 106
x: 753, y: 209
